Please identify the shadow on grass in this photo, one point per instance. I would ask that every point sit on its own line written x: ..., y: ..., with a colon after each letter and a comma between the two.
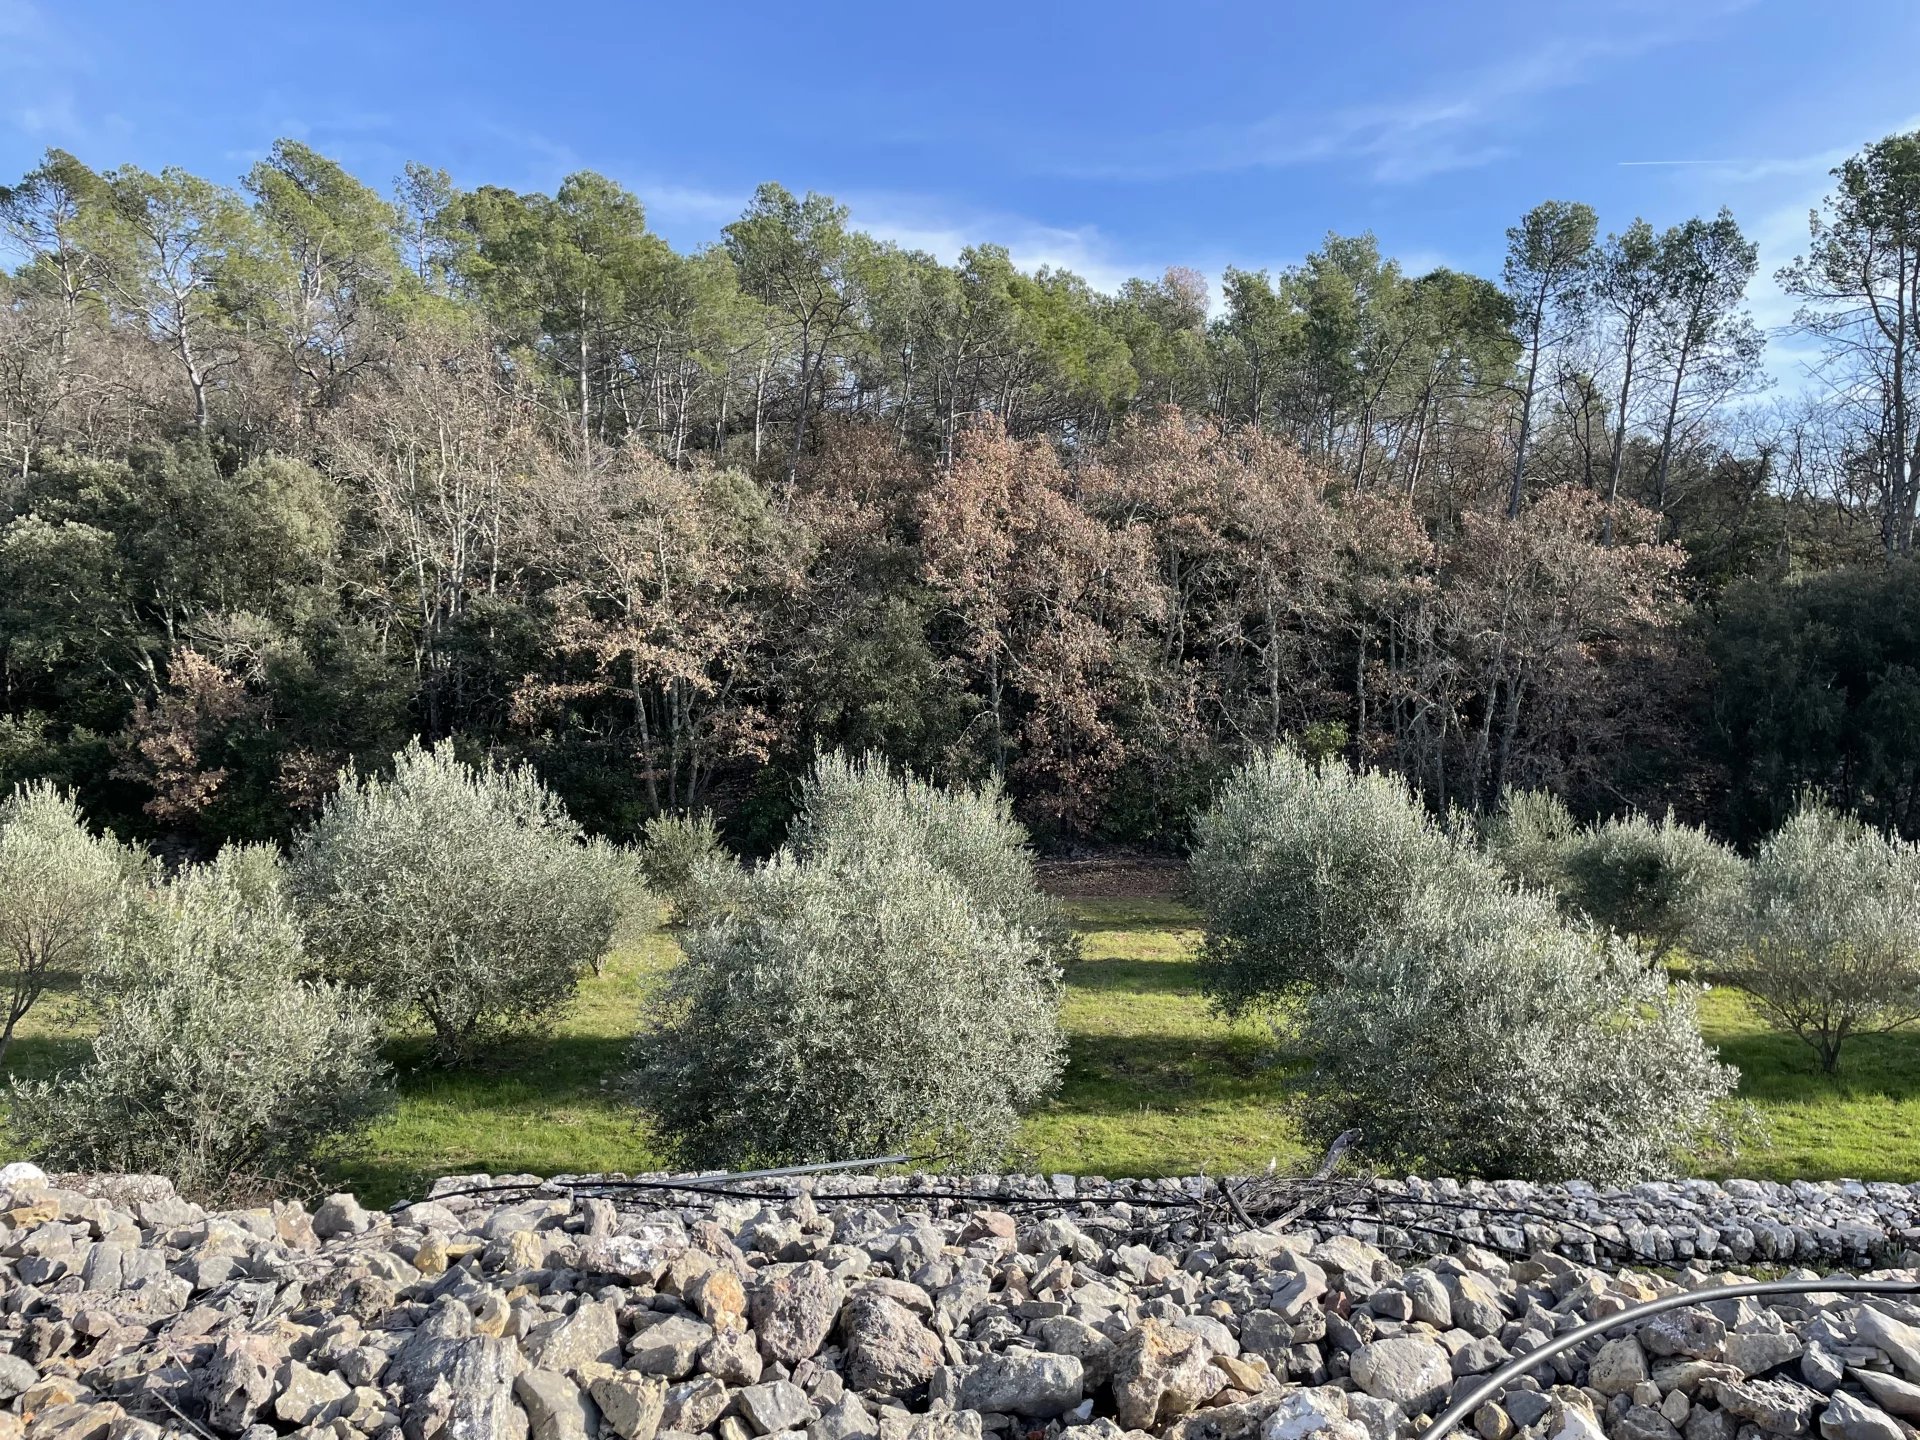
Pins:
x: 1136, y: 977
x: 1138, y: 913
x: 40, y: 1057
x: 1171, y: 1065
x: 1777, y: 1067
x: 531, y: 1071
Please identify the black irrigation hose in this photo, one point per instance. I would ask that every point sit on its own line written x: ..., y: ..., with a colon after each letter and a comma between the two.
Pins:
x: 1465, y: 1404
x: 694, y: 1187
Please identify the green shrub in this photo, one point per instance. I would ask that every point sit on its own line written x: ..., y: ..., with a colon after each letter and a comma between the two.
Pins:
x: 461, y: 894
x: 849, y: 1007
x: 850, y: 806
x: 685, y: 861
x: 636, y: 909
x: 1827, y: 937
x: 62, y: 890
x: 1296, y: 864
x: 1460, y: 1024
x: 1657, y: 883
x: 1530, y: 837
x: 1481, y: 1035
x: 215, y: 1063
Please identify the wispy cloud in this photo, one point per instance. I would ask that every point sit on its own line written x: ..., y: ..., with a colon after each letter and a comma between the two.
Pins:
x: 1464, y: 123
x: 1772, y: 197
x: 691, y: 204
x: 925, y: 223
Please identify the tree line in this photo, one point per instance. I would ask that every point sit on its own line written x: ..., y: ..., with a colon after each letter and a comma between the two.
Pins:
x: 296, y: 471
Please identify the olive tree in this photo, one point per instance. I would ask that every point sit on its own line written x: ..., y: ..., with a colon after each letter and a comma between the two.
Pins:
x: 686, y: 862
x: 967, y: 832
x: 460, y: 893
x: 1654, y: 882
x: 1530, y: 837
x: 62, y: 888
x: 853, y: 1004
x: 1295, y: 864
x: 215, y: 1062
x: 1482, y: 1035
x: 1827, y: 938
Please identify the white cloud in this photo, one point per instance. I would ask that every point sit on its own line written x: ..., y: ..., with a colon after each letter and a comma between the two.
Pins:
x: 924, y: 223
x: 1463, y: 124
x: 690, y: 203
x: 1772, y: 197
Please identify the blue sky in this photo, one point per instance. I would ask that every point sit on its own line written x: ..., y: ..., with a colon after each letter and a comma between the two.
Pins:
x: 1114, y: 138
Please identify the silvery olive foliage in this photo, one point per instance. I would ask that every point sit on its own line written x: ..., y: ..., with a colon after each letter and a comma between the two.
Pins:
x: 852, y: 803
x: 1827, y: 937
x: 686, y: 863
x: 847, y: 1007
x: 62, y: 888
x: 1482, y: 1035
x: 1296, y: 863
x: 887, y: 983
x: 1530, y: 837
x: 1657, y: 883
x: 215, y: 1062
x: 462, y: 894
x: 1461, y: 1023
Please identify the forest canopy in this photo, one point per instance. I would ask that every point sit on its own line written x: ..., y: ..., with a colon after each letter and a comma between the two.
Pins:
x: 299, y: 469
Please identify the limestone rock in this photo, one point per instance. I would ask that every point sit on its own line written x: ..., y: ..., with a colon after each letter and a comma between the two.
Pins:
x: 889, y: 1351
x: 1410, y: 1371
x: 1025, y: 1383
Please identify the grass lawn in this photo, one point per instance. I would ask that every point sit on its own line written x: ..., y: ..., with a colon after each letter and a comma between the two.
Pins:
x: 1155, y: 1084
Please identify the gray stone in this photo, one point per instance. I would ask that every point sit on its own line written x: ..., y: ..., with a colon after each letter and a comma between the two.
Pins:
x: 670, y: 1347
x: 557, y: 1409
x: 239, y: 1379
x: 847, y: 1419
x: 1474, y: 1302
x: 1694, y: 1333
x: 449, y: 1377
x: 1755, y: 1354
x: 15, y: 1375
x: 1704, y: 1422
x: 1890, y: 1392
x: 1643, y: 1422
x: 1432, y: 1305
x: 732, y: 1357
x: 590, y: 1334
x: 1408, y: 1370
x: 888, y: 1350
x: 1064, y: 1335
x: 629, y: 1404
x: 303, y: 1395
x: 1161, y: 1373
x: 340, y: 1215
x: 1848, y: 1418
x: 1025, y: 1383
x: 1786, y: 1407
x: 1900, y: 1341
x: 775, y: 1406
x: 693, y: 1405
x: 1821, y: 1368
x: 1617, y: 1366
x: 793, y: 1313
x: 1311, y: 1412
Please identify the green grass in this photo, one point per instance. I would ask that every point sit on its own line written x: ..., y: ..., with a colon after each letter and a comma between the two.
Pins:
x: 1156, y: 1084
x: 1861, y: 1124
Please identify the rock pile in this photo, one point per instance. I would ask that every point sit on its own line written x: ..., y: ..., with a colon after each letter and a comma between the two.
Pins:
x: 127, y: 1312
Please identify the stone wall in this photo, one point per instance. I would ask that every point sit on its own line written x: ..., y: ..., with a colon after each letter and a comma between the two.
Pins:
x: 878, y: 1309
